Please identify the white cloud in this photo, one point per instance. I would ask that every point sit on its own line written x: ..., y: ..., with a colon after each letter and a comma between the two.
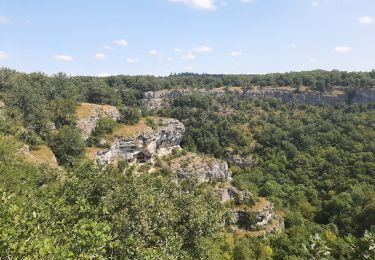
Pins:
x: 235, y: 53
x: 343, y: 49
x: 133, y: 60
x: 178, y: 50
x: 247, y: 1
x: 121, y: 42
x: 203, y: 49
x: 3, y: 55
x: 63, y: 57
x: 188, y: 68
x: 100, y: 56
x: 153, y: 53
x: 169, y: 59
x: 366, y: 20
x: 105, y: 48
x: 4, y: 19
x: 188, y: 56
x: 198, y: 4
x: 103, y: 74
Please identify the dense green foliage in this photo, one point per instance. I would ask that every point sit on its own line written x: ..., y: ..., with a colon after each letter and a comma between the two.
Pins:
x: 130, y: 116
x: 316, y: 164
x: 97, y: 213
x: 319, y: 79
x: 67, y: 145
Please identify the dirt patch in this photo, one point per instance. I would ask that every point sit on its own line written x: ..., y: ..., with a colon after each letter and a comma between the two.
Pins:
x: 43, y: 154
x: 135, y: 130
x: 91, y: 152
x: 85, y: 110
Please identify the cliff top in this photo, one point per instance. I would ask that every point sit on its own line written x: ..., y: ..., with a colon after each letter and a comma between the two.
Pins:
x: 85, y: 110
x: 135, y: 130
x: 261, y: 204
x: 43, y: 154
x: 206, y: 168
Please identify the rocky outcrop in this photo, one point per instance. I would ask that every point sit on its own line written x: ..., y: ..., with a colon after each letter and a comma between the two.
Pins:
x: 154, y: 103
x: 159, y: 99
x: 310, y: 98
x: 155, y: 100
x: 261, y: 214
x: 206, y: 169
x: 2, y: 105
x: 258, y: 220
x: 140, y: 148
x: 88, y: 114
x: 357, y: 96
x: 240, y: 160
x: 362, y: 96
x: 230, y: 193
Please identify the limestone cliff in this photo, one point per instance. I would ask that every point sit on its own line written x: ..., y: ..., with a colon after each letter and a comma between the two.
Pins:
x: 206, y: 169
x: 257, y: 220
x: 230, y: 193
x: 143, y: 144
x: 311, y: 98
x: 363, y: 96
x: 88, y: 114
x: 160, y: 99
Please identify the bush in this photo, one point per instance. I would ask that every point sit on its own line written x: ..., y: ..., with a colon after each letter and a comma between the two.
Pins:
x: 68, y: 145
x: 30, y: 138
x: 104, y: 126
x: 130, y: 116
x: 151, y: 123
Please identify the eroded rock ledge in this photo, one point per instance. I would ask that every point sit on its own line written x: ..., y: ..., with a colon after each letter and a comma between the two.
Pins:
x: 258, y: 220
x: 88, y: 114
x: 160, y: 99
x: 204, y: 168
x: 148, y: 142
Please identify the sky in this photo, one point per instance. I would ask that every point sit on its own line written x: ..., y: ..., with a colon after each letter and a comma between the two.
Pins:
x: 159, y: 37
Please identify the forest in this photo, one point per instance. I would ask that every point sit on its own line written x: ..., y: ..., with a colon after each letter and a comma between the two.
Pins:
x: 316, y: 164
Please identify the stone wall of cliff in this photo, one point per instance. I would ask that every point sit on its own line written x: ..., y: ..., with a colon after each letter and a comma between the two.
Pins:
x: 141, y: 148
x: 204, y: 168
x: 88, y: 114
x: 159, y: 99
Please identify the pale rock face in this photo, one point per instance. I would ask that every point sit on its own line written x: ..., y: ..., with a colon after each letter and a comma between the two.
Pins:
x: 232, y: 193
x: 2, y: 105
x: 159, y: 99
x: 141, y: 148
x: 363, y: 96
x: 265, y: 217
x: 153, y: 103
x: 87, y: 123
x: 229, y: 193
x: 155, y: 100
x: 204, y: 168
x: 306, y: 98
x: 240, y: 160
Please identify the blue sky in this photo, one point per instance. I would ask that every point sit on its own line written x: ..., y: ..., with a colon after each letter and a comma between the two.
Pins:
x: 106, y: 37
